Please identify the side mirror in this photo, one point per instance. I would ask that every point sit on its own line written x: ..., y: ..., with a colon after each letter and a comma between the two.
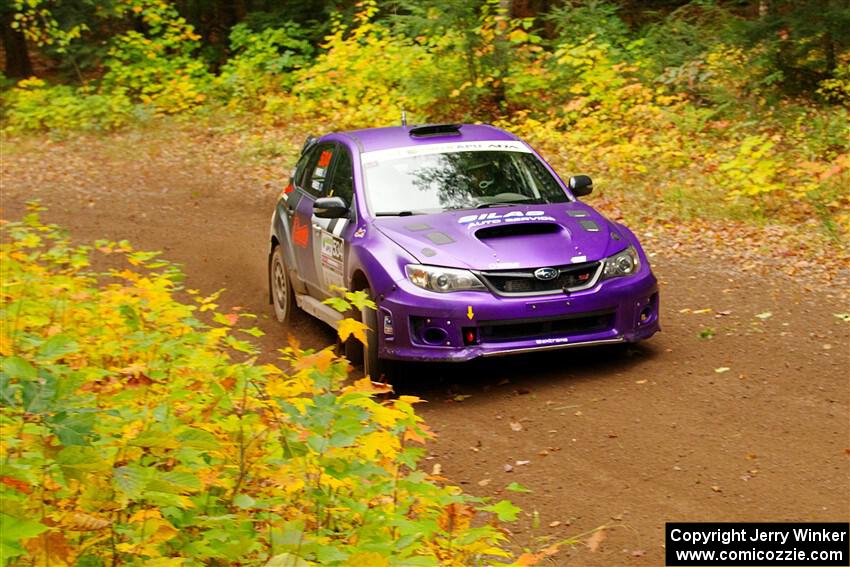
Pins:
x: 330, y: 208
x: 581, y: 185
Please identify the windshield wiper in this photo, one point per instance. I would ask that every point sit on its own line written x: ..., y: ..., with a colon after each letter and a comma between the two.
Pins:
x: 529, y: 201
x: 397, y: 214
x: 499, y: 204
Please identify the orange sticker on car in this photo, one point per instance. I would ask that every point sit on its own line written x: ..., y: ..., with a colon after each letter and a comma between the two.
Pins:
x: 325, y: 158
x: 300, y: 233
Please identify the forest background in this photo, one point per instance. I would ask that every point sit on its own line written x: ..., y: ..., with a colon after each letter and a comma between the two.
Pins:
x: 734, y: 109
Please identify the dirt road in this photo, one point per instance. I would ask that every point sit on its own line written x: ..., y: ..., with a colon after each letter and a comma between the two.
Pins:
x: 738, y: 410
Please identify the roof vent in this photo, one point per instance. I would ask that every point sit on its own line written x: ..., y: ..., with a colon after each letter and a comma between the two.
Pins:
x: 433, y: 130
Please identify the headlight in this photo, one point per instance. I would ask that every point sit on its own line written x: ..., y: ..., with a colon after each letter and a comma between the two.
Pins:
x: 624, y: 263
x: 443, y: 279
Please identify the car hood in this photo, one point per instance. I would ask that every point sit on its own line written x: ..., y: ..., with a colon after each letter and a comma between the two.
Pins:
x: 510, y: 237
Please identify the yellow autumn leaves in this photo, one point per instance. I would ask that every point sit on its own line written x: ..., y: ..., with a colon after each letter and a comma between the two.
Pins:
x: 137, y: 438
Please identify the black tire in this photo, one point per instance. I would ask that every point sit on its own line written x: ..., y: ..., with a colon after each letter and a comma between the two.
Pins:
x: 372, y: 364
x: 378, y: 369
x: 283, y: 296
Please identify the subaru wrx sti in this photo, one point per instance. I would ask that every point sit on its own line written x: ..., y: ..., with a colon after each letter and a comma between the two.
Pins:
x: 466, y: 239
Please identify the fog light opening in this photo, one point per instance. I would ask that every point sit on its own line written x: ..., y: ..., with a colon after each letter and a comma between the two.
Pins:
x: 434, y: 335
x: 646, y: 314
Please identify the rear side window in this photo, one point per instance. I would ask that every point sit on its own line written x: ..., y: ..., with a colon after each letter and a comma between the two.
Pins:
x: 316, y: 175
x: 301, y: 169
x: 343, y: 180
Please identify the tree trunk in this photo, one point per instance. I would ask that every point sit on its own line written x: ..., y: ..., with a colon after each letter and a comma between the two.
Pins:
x: 503, y: 52
x: 18, y: 65
x: 829, y: 53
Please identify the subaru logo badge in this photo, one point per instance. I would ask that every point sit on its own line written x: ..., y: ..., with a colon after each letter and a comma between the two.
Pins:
x: 546, y: 274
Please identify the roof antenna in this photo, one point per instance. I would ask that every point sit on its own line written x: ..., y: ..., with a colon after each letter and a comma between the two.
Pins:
x: 403, y: 117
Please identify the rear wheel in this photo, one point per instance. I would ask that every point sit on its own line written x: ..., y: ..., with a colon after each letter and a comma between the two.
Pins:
x: 283, y: 297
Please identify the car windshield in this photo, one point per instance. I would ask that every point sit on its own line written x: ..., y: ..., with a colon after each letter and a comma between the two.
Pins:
x: 433, y: 181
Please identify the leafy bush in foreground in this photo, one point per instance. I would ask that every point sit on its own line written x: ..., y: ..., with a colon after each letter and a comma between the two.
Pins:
x: 136, y: 434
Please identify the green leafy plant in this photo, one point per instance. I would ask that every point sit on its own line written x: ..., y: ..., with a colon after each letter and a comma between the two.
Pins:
x: 139, y: 434
x: 158, y: 67
x: 34, y: 105
x: 707, y: 333
x: 263, y: 62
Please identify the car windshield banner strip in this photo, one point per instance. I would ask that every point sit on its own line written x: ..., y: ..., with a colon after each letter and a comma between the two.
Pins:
x: 447, y: 148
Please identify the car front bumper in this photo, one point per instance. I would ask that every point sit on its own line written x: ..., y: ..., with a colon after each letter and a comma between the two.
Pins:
x: 415, y: 324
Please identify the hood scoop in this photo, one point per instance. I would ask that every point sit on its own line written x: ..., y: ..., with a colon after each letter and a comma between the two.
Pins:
x: 517, y: 229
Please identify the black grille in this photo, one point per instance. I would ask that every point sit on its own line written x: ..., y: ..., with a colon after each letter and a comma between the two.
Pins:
x: 510, y: 282
x: 502, y: 331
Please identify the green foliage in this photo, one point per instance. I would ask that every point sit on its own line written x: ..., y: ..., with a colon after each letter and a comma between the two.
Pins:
x: 39, y: 20
x: 34, y: 105
x: 837, y: 88
x: 263, y: 61
x: 360, y: 77
x: 578, y: 19
x: 673, y: 50
x: 154, y: 71
x: 134, y: 435
x: 800, y: 42
x: 158, y: 67
x: 475, y: 46
x: 62, y: 30
x: 695, y: 94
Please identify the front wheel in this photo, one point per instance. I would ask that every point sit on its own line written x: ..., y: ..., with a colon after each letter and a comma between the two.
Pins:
x: 378, y: 369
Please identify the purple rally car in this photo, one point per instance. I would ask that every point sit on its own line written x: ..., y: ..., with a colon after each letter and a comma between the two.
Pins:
x: 466, y: 239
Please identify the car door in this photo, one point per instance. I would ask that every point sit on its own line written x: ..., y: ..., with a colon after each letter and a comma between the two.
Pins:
x: 305, y: 228
x: 332, y: 236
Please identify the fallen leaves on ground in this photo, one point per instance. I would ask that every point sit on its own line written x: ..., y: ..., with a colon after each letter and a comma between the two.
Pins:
x: 596, y: 539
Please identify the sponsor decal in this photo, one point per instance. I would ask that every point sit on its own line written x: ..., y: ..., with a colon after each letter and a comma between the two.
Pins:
x: 487, y: 219
x: 520, y: 215
x: 360, y: 232
x: 577, y: 259
x: 502, y: 265
x: 554, y: 341
x: 300, y: 233
x: 332, y: 263
x: 325, y: 158
x: 336, y: 226
x: 368, y: 158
